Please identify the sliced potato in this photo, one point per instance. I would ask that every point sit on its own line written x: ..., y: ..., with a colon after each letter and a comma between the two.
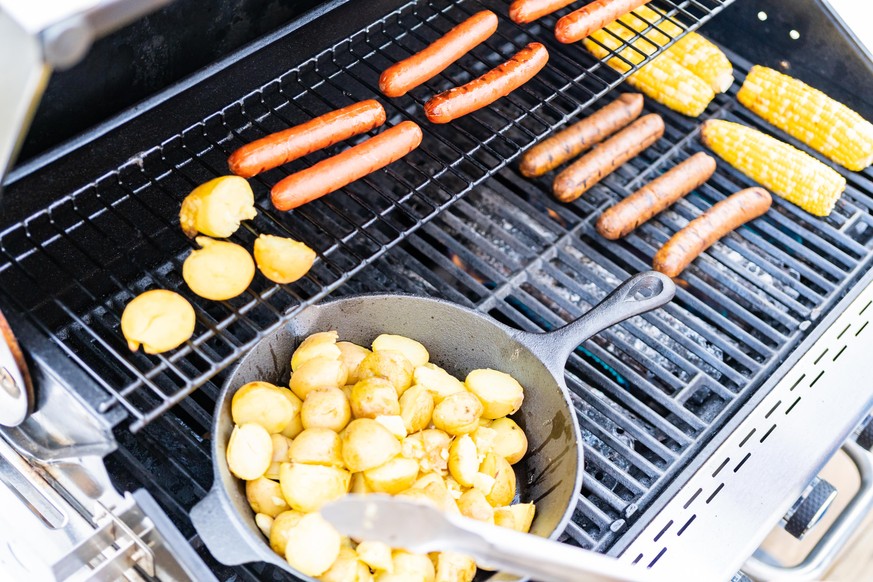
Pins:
x: 393, y: 477
x: 264, y: 523
x: 455, y: 567
x: 159, y: 320
x: 393, y: 366
x: 219, y: 270
x: 351, y: 356
x: 313, y: 545
x: 500, y: 393
x: 523, y: 514
x: 326, y: 408
x: 377, y: 555
x: 463, y: 460
x: 307, y: 487
x: 261, y: 403
x: 281, y: 454
x: 282, y: 260
x: 294, y: 427
x: 315, y: 373
x: 473, y: 504
x: 510, y: 441
x: 394, y: 424
x: 501, y: 471
x: 413, y: 566
x: 217, y: 207
x: 317, y: 446
x: 437, y: 381
x: 344, y: 568
x: 458, y: 414
x: 366, y: 444
x: 372, y: 397
x: 249, y: 451
x: 282, y: 523
x: 265, y: 496
x: 317, y: 345
x: 414, y: 351
x: 416, y: 408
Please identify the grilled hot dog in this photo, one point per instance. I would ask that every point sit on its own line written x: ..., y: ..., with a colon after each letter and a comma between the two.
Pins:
x: 591, y: 168
x: 295, y: 142
x: 699, y: 234
x: 569, y: 143
x: 346, y: 167
x: 524, y: 11
x: 594, y: 16
x: 488, y: 88
x: 622, y: 218
x: 425, y: 64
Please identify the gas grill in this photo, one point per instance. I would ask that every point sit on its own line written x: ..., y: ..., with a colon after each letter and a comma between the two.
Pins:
x: 91, y: 223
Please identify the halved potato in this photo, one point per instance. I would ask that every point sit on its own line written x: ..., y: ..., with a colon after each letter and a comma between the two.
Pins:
x: 372, y: 397
x: 463, y: 460
x: 294, y: 427
x: 510, y: 441
x: 434, y: 487
x: 281, y: 454
x: 377, y: 555
x: 500, y: 393
x: 413, y: 566
x: 344, y: 568
x: 261, y: 403
x: 455, y: 567
x: 413, y: 350
x: 394, y: 424
x: 351, y: 356
x: 249, y: 451
x: 458, y: 414
x: 219, y: 270
x: 318, y: 372
x: 265, y: 496
x: 474, y: 505
x: 393, y: 366
x: 437, y: 381
x: 159, y: 320
x: 326, y: 408
x: 317, y: 345
x: 307, y: 487
x: 393, y: 477
x: 317, y: 446
x: 313, y: 545
x: 524, y: 515
x: 433, y: 447
x: 282, y: 260
x: 416, y: 408
x: 367, y: 444
x: 282, y: 524
x: 217, y: 207
x: 484, y: 438
x: 503, y: 490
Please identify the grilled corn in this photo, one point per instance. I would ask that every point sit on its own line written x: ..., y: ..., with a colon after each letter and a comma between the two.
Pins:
x: 783, y: 169
x: 809, y: 115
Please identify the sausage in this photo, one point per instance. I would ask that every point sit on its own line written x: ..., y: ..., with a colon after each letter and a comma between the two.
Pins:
x: 411, y: 72
x: 346, y: 167
x: 295, y: 142
x: 621, y: 219
x: 591, y: 168
x: 577, y: 138
x: 524, y: 11
x: 594, y: 16
x: 496, y: 83
x: 699, y: 234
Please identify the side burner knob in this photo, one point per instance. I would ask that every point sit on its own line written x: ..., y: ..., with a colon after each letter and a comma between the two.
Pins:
x: 810, y: 507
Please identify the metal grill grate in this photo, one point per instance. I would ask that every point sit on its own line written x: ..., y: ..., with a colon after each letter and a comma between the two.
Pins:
x: 73, y: 266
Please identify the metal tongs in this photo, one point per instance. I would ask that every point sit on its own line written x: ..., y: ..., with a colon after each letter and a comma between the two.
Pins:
x: 418, y: 527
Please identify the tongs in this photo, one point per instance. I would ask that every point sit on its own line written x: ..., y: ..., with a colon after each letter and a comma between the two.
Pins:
x: 418, y: 527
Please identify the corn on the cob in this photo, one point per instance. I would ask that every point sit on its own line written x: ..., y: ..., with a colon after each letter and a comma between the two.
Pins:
x: 809, y: 115
x: 782, y: 168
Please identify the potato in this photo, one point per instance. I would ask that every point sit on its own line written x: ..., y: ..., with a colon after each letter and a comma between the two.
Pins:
x: 317, y: 345
x: 455, y: 567
x: 504, y: 517
x: 249, y: 451
x: 261, y: 403
x: 437, y: 381
x: 294, y: 427
x: 523, y: 514
x: 319, y: 372
x: 264, y: 523
x: 463, y: 460
x: 374, y: 397
x: 307, y: 487
x: 473, y: 504
x: 430, y: 447
x: 500, y: 470
x: 359, y: 485
x: 393, y: 366
x: 394, y: 424
x: 414, y: 351
x: 282, y: 524
x: 317, y: 446
x: 418, y: 495
x: 455, y: 488
x: 364, y: 574
x: 434, y: 487
x: 344, y: 568
x: 265, y: 496
x: 219, y: 270
x: 217, y: 207
x: 499, y: 393
x: 483, y: 482
x: 366, y: 444
x: 351, y: 356
x: 158, y: 320
x: 416, y: 408
x: 313, y: 545
x: 510, y: 441
x: 282, y: 260
x: 377, y: 555
x: 413, y: 566
x: 326, y: 408
x: 281, y: 454
x: 484, y: 438
x: 458, y: 414
x: 393, y: 477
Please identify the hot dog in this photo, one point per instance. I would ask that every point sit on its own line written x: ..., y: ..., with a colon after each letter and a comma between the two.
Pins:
x: 426, y: 64
x: 622, y: 218
x: 699, y: 234
x: 287, y: 145
x: 346, y: 167
x: 591, y: 168
x: 594, y: 16
x: 577, y: 138
x: 524, y: 11
x: 488, y: 88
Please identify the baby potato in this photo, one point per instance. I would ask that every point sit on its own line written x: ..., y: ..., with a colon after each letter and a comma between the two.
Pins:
x: 416, y: 408
x: 326, y: 408
x: 351, y: 356
x: 394, y: 424
x: 523, y: 514
x: 474, y: 505
x: 414, y: 351
x: 321, y: 344
x: 395, y: 476
x: 500, y: 470
x: 366, y: 444
x: 158, y: 320
x: 377, y: 555
x: 510, y: 441
x: 282, y: 260
x: 217, y: 207
x: 413, y: 566
x: 307, y: 487
x: 264, y: 523
x: 294, y: 427
x: 372, y: 397
x: 359, y: 484
x: 219, y: 270
x: 455, y: 567
x: 437, y: 381
x: 317, y: 446
x: 281, y: 454
x: 499, y: 392
x: 261, y: 403
x: 484, y: 438
x: 433, y: 449
x: 463, y: 460
x: 458, y: 414
x: 265, y: 496
x: 282, y: 524
x: 319, y: 372
x: 344, y: 568
x: 313, y: 545
x: 249, y: 451
x: 503, y: 517
x: 434, y: 487
x: 393, y: 366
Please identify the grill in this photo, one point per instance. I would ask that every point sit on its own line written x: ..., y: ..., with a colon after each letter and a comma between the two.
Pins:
x: 453, y: 220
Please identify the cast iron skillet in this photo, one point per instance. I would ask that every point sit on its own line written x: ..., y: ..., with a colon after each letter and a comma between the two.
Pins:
x: 459, y: 340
